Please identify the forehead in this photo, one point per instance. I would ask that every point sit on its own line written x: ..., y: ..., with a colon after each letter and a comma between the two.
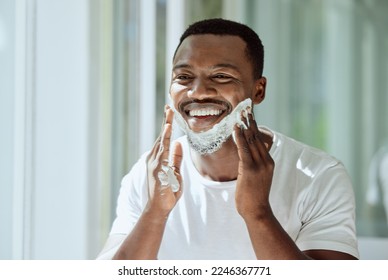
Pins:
x: 210, y: 48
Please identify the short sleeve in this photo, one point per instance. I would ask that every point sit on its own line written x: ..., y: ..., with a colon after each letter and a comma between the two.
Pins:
x: 328, y: 213
x: 132, y: 198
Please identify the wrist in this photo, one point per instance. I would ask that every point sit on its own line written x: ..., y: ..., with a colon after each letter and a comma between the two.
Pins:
x: 259, y: 213
x: 154, y: 215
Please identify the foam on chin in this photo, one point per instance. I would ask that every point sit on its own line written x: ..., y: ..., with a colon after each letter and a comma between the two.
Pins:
x: 210, y: 141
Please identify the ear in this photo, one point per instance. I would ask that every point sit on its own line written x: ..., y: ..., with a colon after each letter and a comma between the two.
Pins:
x: 259, y: 92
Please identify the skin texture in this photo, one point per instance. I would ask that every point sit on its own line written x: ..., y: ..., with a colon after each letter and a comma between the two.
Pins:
x: 206, y: 71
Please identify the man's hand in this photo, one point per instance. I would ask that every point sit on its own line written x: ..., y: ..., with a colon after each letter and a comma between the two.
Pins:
x: 143, y: 242
x: 255, y: 171
x: 162, y: 197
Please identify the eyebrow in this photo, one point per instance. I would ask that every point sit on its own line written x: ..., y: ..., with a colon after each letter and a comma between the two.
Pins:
x: 181, y: 65
x: 220, y: 65
x: 226, y: 65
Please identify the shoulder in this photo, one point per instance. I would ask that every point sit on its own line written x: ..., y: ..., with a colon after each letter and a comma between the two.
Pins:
x: 308, y: 168
x: 135, y: 179
x: 317, y: 174
x: 298, y: 154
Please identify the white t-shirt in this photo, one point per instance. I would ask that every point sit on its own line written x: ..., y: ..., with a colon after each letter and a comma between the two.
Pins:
x: 311, y: 196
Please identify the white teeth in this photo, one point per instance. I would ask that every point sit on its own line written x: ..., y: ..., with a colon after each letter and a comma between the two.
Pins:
x: 205, y: 112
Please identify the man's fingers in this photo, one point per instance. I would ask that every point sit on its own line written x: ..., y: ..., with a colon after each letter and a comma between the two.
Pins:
x: 166, y: 119
x: 169, y: 115
x: 250, y: 141
x: 242, y: 145
x: 176, y: 157
x: 260, y: 146
x: 164, y: 149
x: 166, y: 108
x: 250, y: 135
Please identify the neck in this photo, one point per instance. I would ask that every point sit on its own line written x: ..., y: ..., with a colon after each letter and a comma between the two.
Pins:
x: 219, y: 166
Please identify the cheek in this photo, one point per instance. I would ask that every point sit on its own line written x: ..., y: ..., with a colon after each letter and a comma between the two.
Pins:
x: 233, y: 93
x: 175, y: 93
x: 177, y: 88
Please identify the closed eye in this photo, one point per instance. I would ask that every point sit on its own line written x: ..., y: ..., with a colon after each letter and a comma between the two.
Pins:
x: 183, y: 77
x: 222, y: 77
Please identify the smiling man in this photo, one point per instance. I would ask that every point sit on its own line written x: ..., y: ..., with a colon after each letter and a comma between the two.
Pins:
x: 229, y: 189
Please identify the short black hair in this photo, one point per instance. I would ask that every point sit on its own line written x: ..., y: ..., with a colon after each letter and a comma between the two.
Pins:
x: 219, y: 26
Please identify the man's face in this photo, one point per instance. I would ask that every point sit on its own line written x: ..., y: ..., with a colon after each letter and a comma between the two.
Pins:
x: 211, y: 75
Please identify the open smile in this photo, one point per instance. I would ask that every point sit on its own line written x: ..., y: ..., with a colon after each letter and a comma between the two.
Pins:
x: 203, y: 115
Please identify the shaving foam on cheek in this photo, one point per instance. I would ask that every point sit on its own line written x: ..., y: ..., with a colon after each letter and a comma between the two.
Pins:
x: 210, y: 141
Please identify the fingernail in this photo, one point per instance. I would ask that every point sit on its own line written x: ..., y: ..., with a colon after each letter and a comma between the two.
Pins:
x: 234, y: 136
x: 243, y: 125
x: 245, y: 114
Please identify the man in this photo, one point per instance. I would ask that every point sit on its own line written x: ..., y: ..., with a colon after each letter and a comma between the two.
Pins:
x: 229, y: 189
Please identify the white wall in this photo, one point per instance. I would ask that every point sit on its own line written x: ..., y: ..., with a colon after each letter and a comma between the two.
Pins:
x: 51, y: 183
x: 59, y: 220
x: 6, y: 124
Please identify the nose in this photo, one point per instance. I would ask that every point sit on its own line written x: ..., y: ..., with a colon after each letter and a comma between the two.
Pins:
x: 201, y: 89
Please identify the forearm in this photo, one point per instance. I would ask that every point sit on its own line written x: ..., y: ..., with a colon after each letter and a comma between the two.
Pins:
x: 144, y: 240
x: 269, y: 240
